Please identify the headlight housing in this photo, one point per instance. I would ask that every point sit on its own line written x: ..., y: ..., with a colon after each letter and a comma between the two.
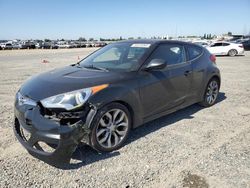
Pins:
x: 71, y: 100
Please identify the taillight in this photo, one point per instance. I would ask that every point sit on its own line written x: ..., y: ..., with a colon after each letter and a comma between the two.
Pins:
x: 241, y: 46
x: 213, y: 58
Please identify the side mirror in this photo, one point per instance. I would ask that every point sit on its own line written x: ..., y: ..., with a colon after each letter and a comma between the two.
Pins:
x: 155, y: 64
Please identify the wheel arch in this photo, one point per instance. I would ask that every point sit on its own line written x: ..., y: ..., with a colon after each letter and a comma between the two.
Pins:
x: 217, y: 78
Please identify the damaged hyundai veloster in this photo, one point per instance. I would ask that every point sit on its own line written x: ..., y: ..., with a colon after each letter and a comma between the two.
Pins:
x: 98, y: 100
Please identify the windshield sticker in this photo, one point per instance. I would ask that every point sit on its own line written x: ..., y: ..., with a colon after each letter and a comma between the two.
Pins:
x: 140, y: 45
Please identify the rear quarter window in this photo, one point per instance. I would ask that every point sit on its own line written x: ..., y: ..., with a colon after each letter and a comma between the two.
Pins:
x: 194, y: 52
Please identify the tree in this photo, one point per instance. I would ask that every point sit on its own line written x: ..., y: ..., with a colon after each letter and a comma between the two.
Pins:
x: 47, y: 40
x: 91, y: 39
x: 209, y: 36
x: 229, y: 33
x: 82, y: 39
x: 205, y: 36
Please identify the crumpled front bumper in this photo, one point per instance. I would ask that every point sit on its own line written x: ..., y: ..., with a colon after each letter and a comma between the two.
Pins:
x: 63, y: 138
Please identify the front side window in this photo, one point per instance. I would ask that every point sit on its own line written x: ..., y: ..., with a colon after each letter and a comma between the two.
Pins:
x: 117, y: 57
x: 172, y: 54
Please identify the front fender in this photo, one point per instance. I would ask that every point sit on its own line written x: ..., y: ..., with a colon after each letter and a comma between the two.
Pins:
x: 129, y: 96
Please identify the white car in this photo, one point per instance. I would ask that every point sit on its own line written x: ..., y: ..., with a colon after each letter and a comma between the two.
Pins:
x: 226, y: 48
x: 201, y: 43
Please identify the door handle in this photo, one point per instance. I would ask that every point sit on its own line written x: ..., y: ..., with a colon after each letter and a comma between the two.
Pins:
x: 187, y: 72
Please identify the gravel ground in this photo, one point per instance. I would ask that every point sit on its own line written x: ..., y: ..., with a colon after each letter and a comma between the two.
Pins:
x: 194, y: 147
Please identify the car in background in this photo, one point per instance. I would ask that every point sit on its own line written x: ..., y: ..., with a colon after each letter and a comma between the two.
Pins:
x: 48, y: 45
x: 201, y: 43
x: 100, y: 44
x: 226, y: 48
x: 63, y: 45
x: 115, y: 89
x: 246, y: 44
x: 17, y: 46
x: 89, y: 45
x: 6, y: 46
x: 29, y: 45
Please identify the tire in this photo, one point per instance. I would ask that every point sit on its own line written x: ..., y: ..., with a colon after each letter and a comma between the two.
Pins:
x: 211, y: 93
x: 110, y: 127
x: 232, y: 53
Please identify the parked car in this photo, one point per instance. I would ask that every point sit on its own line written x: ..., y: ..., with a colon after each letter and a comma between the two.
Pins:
x: 64, y: 45
x: 201, y: 43
x: 226, y: 48
x: 6, y: 46
x: 99, y: 44
x: 48, y: 45
x: 17, y: 46
x: 115, y: 89
x: 246, y: 44
x: 88, y: 45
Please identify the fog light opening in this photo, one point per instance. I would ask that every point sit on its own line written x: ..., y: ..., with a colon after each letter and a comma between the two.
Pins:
x: 25, y: 134
x: 43, y: 146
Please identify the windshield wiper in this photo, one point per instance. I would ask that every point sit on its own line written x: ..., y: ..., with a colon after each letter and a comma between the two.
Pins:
x: 95, y: 67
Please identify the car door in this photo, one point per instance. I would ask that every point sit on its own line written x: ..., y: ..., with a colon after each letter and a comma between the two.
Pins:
x: 216, y: 48
x: 225, y: 48
x: 161, y: 90
x: 195, y: 58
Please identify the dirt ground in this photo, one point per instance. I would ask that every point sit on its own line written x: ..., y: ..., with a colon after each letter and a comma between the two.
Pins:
x: 194, y: 147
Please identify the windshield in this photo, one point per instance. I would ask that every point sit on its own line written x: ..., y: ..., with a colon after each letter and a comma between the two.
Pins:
x: 116, y: 57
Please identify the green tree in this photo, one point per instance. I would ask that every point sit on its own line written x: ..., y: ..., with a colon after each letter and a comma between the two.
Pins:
x: 47, y: 40
x: 82, y: 39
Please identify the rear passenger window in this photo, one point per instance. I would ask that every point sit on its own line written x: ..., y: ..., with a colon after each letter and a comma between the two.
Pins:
x: 193, y: 52
x: 226, y: 44
x: 171, y: 53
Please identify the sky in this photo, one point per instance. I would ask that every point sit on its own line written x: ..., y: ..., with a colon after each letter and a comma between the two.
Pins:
x: 71, y: 19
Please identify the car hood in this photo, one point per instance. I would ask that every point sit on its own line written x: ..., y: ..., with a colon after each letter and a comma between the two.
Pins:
x: 67, y: 79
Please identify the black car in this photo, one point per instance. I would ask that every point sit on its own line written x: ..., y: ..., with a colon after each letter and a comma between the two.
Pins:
x: 246, y: 44
x: 113, y: 90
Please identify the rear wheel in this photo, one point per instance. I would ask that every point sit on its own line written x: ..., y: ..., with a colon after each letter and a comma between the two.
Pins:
x: 111, y: 127
x: 232, y: 52
x: 211, y: 93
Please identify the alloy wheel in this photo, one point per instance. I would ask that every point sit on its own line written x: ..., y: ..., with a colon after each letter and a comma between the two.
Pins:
x: 232, y: 53
x: 212, y: 92
x: 112, y: 128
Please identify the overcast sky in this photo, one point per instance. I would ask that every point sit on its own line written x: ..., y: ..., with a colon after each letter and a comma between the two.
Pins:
x: 68, y: 19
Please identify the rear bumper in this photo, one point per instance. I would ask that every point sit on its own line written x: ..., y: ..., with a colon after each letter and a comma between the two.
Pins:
x: 40, y: 130
x: 241, y: 52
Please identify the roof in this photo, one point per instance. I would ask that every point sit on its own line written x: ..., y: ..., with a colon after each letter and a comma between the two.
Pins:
x: 151, y: 41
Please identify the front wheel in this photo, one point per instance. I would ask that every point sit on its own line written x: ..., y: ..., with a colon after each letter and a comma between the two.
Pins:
x: 111, y: 127
x: 211, y: 93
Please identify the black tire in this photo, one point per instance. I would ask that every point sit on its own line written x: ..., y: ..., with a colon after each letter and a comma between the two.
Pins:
x: 95, y: 125
x: 205, y: 102
x: 232, y: 53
